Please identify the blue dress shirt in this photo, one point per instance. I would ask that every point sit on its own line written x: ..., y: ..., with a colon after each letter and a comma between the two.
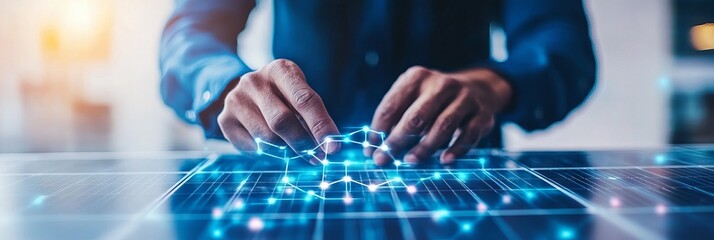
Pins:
x: 352, y: 51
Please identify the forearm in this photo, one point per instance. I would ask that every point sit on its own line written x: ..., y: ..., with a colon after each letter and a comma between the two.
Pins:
x: 198, y: 58
x: 551, y: 64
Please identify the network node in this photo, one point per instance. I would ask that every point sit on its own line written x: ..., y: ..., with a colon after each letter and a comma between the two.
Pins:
x: 506, y: 199
x: 324, y: 185
x: 397, y: 163
x: 258, y: 140
x: 397, y: 179
x: 437, y: 215
x: 566, y: 234
x: 272, y: 201
x: 328, y: 139
x: 481, y: 207
x: 365, y: 144
x: 437, y: 175
x: 347, y: 179
x: 365, y: 128
x: 384, y: 147
x: 411, y: 189
x: 217, y: 233
x: 530, y: 195
x: 661, y: 209
x: 325, y: 162
x: 615, y: 202
x: 347, y: 199
x: 466, y: 227
x: 282, y: 147
x: 311, y: 193
x: 259, y: 152
x: 463, y: 176
x: 217, y: 213
x: 310, y: 152
x: 289, y: 190
x: 286, y: 179
x: 255, y: 224
x: 238, y: 204
x: 347, y: 162
x: 660, y: 159
x: 372, y: 188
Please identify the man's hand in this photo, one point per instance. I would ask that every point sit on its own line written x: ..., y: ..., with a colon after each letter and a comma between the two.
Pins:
x: 276, y: 105
x: 425, y: 109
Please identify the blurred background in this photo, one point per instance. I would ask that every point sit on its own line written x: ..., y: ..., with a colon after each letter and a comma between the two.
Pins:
x: 82, y: 75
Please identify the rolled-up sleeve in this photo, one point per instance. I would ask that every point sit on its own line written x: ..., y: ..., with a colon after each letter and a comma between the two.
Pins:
x: 551, y: 63
x: 198, y: 58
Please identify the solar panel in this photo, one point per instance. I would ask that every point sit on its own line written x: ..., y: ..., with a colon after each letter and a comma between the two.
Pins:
x: 658, y: 193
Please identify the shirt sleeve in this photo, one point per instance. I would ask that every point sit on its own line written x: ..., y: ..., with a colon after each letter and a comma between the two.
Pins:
x: 198, y: 58
x: 551, y: 63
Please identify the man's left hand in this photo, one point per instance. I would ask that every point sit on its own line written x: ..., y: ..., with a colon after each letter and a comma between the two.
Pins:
x: 426, y: 109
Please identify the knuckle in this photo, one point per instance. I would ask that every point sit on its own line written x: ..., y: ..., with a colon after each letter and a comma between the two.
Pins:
x: 319, y: 127
x: 447, y: 124
x: 449, y: 84
x: 222, y: 119
x: 250, y: 80
x: 266, y: 135
x: 386, y: 111
x: 231, y: 98
x: 280, y: 121
x: 417, y: 72
x: 415, y: 122
x: 305, y: 98
x: 283, y: 65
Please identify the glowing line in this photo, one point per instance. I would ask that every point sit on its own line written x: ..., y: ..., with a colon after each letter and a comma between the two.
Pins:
x: 346, y: 138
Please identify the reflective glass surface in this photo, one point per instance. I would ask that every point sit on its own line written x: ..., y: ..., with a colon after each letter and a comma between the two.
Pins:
x: 651, y: 194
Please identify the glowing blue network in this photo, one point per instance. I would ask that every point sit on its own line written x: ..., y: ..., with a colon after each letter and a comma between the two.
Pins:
x: 269, y: 149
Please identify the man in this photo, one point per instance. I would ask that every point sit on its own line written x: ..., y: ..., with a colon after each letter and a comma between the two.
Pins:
x: 421, y: 70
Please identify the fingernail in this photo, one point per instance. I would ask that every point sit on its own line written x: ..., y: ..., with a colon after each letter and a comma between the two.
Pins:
x: 367, y: 152
x: 313, y: 161
x: 411, y: 158
x: 447, y: 158
x: 332, y: 148
x: 379, y: 158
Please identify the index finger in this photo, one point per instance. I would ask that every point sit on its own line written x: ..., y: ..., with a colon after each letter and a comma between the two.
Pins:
x: 291, y: 83
x: 395, y: 103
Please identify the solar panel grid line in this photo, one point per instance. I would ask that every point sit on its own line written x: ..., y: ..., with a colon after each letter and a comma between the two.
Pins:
x: 405, y: 226
x: 690, y: 186
x: 591, y: 185
x: 15, y: 182
x: 205, y: 197
x: 170, y: 192
x: 234, y: 201
x: 56, y: 193
x: 647, y: 185
x: 113, y: 193
x: 640, y: 190
x: 626, y: 225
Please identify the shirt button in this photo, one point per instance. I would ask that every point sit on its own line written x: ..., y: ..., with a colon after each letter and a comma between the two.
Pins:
x: 190, y: 115
x: 371, y: 58
x: 206, y: 96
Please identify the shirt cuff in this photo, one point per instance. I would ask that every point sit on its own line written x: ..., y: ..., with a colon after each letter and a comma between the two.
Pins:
x: 526, y: 102
x: 212, y: 83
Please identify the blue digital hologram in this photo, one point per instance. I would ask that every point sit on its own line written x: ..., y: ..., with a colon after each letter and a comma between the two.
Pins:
x: 282, y: 152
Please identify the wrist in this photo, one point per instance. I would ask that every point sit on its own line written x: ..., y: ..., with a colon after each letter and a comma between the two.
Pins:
x: 493, y: 84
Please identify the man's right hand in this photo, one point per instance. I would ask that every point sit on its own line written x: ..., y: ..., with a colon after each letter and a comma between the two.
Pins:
x: 276, y: 104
